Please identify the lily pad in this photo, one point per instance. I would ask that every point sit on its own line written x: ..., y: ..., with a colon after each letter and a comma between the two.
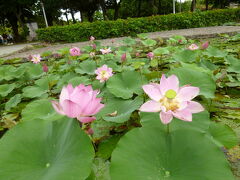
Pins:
x: 40, y: 109
x: 13, y: 101
x: 86, y: 67
x: 196, y: 78
x: 149, y: 42
x: 119, y: 110
x: 125, y: 84
x: 5, y: 89
x: 185, y: 56
x: 49, y: 150
x: 149, y: 153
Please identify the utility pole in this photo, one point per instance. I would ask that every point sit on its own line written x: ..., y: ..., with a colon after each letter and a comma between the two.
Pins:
x: 180, y: 6
x: 44, y: 14
x: 174, y: 9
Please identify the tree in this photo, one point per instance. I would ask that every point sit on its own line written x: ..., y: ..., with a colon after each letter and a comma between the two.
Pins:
x: 16, y: 11
x: 193, y: 5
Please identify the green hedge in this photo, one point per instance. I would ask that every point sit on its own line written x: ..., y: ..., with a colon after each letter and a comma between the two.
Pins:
x: 133, y: 26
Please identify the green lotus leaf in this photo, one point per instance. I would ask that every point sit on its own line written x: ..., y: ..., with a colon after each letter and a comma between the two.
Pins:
x: 125, y: 84
x: 33, y: 91
x: 161, y: 51
x: 40, y: 109
x: 129, y: 41
x: 142, y: 35
x: 223, y: 135
x: 79, y: 80
x: 234, y: 64
x: 46, y: 150
x: 119, y: 110
x: 200, y: 122
x: 149, y: 153
x: 186, y: 56
x: 34, y: 70
x: 13, y: 101
x: 215, y: 52
x: 86, y: 67
x: 196, y: 77
x: 149, y: 42
x: 5, y: 89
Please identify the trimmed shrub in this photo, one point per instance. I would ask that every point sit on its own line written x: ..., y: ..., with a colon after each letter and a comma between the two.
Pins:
x: 133, y: 26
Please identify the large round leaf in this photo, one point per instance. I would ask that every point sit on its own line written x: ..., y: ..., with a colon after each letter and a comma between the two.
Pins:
x: 125, y: 84
x: 200, y: 121
x: 33, y: 91
x: 40, y: 109
x: 5, y: 89
x: 197, y: 78
x: 46, y: 150
x: 119, y: 110
x: 149, y: 153
x: 86, y: 67
x: 186, y: 56
x: 223, y: 135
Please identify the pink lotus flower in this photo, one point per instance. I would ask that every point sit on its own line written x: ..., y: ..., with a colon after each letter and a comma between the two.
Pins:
x: 150, y: 55
x: 80, y: 102
x: 92, y: 38
x: 124, y: 57
x: 106, y: 50
x: 205, y: 45
x: 75, y: 51
x: 171, y: 100
x: 36, y: 58
x: 137, y: 54
x: 103, y: 73
x: 193, y: 47
x: 45, y: 68
x: 94, y: 46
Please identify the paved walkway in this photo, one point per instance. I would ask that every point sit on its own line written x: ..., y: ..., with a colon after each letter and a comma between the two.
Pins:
x: 12, y: 51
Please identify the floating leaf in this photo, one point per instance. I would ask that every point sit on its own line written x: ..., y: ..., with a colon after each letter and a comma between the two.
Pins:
x: 223, y: 135
x: 40, y: 109
x: 234, y: 64
x: 185, y: 56
x: 13, y: 101
x: 50, y: 150
x: 125, y: 84
x: 33, y: 91
x: 161, y: 51
x: 215, y: 52
x: 119, y: 110
x: 149, y: 153
x: 5, y: 89
x: 149, y: 42
x: 129, y: 41
x: 197, y: 78
x: 86, y: 67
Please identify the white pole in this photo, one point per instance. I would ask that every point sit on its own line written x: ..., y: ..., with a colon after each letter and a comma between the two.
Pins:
x: 44, y: 14
x: 180, y: 6
x: 174, y: 11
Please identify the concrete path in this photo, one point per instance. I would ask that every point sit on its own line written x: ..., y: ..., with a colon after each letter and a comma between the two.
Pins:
x: 205, y: 32
x: 9, y: 49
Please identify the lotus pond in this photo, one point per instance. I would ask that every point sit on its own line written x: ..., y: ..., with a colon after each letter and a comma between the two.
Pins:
x: 147, y: 110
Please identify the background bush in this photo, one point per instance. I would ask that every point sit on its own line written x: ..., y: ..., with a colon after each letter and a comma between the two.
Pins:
x: 133, y: 26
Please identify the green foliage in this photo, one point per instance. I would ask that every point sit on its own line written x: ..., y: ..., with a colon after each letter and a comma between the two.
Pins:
x: 42, y: 109
x: 150, y: 153
x: 198, y: 78
x: 56, y: 150
x: 124, y: 85
x: 133, y: 26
